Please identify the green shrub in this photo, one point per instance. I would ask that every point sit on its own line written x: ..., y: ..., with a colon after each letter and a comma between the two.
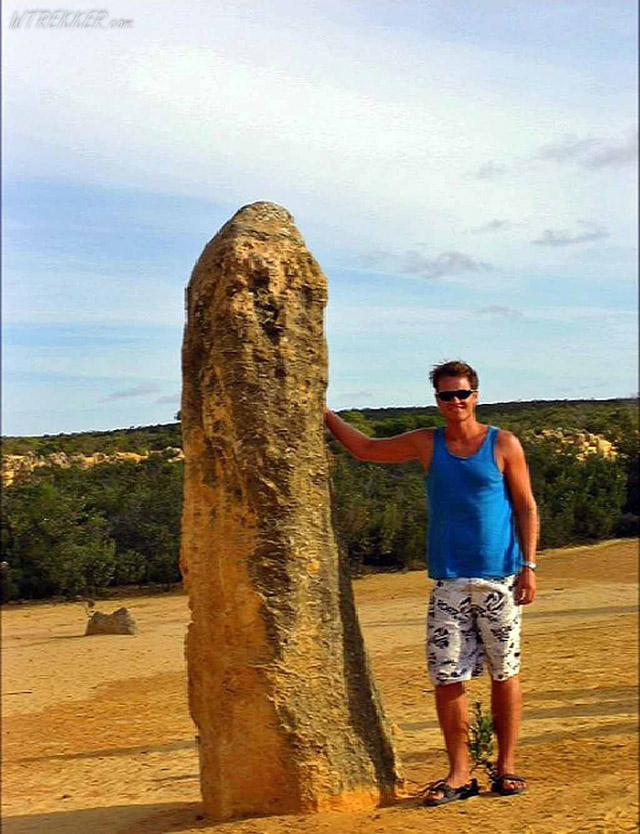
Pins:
x: 73, y: 531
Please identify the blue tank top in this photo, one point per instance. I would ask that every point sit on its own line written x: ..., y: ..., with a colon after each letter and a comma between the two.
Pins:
x: 471, y: 524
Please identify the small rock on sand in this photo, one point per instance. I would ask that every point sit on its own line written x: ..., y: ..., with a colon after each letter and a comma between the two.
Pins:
x: 120, y: 622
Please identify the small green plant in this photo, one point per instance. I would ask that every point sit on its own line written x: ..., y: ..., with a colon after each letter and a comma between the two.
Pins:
x: 480, y: 740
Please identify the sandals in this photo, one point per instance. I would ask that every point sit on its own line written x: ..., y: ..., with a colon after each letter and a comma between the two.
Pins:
x: 498, y: 786
x: 449, y: 794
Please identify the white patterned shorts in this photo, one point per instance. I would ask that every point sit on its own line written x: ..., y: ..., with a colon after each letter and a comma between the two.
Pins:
x: 470, y: 620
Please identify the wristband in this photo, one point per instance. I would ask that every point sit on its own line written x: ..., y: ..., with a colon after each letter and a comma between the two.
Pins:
x: 530, y: 565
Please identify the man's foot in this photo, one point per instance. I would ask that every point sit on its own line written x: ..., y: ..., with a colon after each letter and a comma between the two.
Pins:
x: 509, y: 784
x: 441, y: 792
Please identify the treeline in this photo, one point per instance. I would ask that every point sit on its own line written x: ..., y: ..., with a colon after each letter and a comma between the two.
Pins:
x: 73, y: 532
x: 606, y: 417
x: 139, y: 439
x: 76, y: 532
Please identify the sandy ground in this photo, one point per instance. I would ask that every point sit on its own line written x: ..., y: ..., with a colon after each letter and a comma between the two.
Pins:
x: 97, y: 736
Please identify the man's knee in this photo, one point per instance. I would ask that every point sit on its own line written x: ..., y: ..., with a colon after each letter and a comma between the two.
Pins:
x: 449, y: 691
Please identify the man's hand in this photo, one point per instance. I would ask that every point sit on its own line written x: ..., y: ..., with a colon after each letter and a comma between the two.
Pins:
x: 525, y: 590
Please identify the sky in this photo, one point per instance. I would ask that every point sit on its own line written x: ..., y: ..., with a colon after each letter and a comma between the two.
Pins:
x: 465, y: 174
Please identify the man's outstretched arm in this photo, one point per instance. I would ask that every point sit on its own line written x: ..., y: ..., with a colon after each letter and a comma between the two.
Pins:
x: 399, y: 449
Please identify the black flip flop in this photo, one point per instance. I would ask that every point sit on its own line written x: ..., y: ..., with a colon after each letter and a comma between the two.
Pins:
x: 497, y: 784
x: 450, y: 794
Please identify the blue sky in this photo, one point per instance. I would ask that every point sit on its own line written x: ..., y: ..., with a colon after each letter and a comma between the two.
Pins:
x: 464, y: 173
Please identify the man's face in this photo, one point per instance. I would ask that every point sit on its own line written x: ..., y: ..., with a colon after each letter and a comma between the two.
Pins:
x: 456, y: 410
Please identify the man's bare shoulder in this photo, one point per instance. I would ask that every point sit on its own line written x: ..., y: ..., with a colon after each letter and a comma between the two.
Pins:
x: 422, y: 442
x: 401, y: 448
x: 508, y: 443
x: 418, y: 438
x: 422, y: 435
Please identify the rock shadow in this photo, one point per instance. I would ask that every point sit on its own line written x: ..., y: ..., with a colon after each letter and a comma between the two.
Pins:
x: 114, y: 751
x: 161, y: 818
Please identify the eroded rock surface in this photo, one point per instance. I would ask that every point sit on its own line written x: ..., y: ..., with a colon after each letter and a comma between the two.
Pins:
x: 288, y: 716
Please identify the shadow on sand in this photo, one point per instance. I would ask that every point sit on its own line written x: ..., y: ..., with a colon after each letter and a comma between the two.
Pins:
x: 116, y: 819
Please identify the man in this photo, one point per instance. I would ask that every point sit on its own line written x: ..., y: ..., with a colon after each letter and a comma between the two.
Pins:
x: 483, y: 531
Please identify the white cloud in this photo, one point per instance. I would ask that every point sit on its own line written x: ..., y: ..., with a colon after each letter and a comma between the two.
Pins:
x: 367, y: 129
x: 443, y: 265
x: 490, y: 170
x: 501, y: 311
x: 615, y: 155
x: 492, y: 226
x: 353, y: 396
x: 592, y: 152
x: 416, y: 263
x: 566, y: 149
x: 57, y: 296
x: 375, y: 134
x: 368, y: 318
x: 137, y: 391
x: 561, y: 237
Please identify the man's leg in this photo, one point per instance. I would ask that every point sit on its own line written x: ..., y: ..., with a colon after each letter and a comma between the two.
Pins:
x: 506, y: 708
x: 453, y: 715
x: 500, y: 620
x: 452, y: 654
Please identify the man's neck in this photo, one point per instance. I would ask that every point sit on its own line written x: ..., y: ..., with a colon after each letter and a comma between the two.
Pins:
x: 463, y: 430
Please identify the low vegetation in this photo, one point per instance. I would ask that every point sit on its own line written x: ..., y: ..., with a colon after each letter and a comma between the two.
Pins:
x: 74, y: 532
x: 480, y: 741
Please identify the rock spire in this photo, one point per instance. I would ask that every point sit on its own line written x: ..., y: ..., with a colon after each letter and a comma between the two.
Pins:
x: 288, y: 716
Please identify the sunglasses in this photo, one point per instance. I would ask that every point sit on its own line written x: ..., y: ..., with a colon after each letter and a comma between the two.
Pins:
x: 447, y: 396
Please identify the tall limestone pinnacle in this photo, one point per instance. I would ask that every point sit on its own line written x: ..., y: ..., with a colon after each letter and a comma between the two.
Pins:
x: 288, y: 715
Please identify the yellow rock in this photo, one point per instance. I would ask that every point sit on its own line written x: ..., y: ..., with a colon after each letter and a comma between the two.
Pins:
x: 288, y: 716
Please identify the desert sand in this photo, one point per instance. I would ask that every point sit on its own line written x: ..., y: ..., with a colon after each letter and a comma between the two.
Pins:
x: 97, y: 735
